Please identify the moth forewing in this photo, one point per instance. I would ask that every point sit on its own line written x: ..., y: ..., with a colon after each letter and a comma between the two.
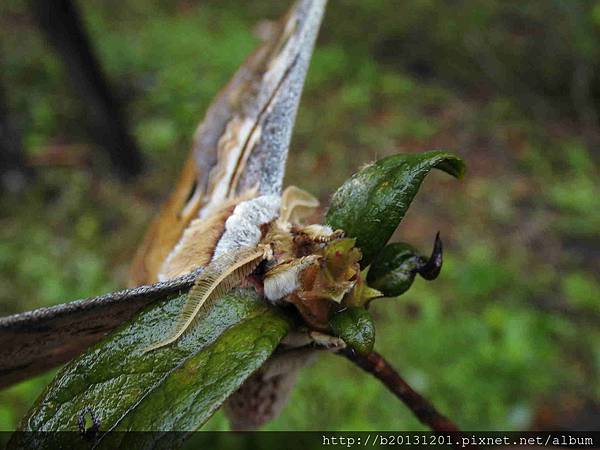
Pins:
x: 219, y: 277
x: 231, y: 152
x: 166, y: 229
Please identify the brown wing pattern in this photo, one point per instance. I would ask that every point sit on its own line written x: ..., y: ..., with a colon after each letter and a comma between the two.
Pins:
x: 242, y: 142
x: 257, y: 110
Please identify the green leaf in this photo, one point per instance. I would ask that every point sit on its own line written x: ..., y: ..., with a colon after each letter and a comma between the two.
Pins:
x: 371, y: 204
x: 394, y: 269
x: 177, y: 387
x: 355, y: 326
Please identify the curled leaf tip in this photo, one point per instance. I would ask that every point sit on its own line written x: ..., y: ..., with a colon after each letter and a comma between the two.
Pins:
x: 432, y: 267
x: 370, y: 205
x: 452, y: 165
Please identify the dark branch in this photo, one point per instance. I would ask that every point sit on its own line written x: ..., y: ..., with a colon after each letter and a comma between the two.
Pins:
x: 376, y: 365
x: 63, y: 27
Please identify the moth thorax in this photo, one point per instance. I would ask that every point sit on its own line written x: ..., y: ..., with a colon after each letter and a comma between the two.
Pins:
x: 277, y: 235
x: 243, y: 227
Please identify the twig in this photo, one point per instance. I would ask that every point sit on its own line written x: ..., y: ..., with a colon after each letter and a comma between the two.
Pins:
x: 376, y: 365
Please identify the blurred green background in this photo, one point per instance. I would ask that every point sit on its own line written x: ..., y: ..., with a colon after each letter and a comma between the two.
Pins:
x: 508, y: 337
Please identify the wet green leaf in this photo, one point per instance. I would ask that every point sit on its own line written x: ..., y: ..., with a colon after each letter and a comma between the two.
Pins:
x: 177, y: 387
x: 355, y: 326
x: 394, y: 269
x: 371, y: 204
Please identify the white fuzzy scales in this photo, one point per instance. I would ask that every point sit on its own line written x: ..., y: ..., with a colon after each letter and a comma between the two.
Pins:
x: 242, y: 228
x: 318, y: 232
x: 285, y: 279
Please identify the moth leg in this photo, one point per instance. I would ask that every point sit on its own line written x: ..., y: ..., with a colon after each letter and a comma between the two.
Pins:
x: 305, y: 338
x: 297, y: 339
x: 297, y: 205
x: 327, y: 342
x: 316, y: 233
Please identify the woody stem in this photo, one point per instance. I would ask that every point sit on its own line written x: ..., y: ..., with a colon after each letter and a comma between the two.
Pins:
x: 376, y: 365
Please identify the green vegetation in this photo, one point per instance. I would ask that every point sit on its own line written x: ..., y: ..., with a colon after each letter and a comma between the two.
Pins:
x: 174, y: 388
x: 508, y: 332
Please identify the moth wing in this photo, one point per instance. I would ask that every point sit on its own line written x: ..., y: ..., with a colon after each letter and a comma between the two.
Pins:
x: 166, y: 229
x: 196, y: 246
x: 243, y: 141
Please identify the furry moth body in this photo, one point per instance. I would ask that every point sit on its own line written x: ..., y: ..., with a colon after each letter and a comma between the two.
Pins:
x: 257, y: 230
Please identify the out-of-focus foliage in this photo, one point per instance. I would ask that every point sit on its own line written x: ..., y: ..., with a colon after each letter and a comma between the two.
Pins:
x: 506, y: 337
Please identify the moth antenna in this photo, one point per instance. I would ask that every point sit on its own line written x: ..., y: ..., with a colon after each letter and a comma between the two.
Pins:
x: 219, y: 277
x: 296, y: 204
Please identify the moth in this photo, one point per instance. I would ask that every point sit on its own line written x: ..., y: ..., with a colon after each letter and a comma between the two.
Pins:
x: 237, y: 162
x: 228, y: 214
x: 263, y: 232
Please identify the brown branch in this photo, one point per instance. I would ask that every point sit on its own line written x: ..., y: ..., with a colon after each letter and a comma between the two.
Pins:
x: 376, y: 365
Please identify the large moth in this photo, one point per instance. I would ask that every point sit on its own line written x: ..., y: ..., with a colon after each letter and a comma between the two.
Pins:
x: 229, y: 216
x: 297, y: 259
x: 238, y: 154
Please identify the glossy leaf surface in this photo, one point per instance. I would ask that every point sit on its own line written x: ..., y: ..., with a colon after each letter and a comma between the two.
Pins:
x: 177, y: 387
x: 394, y: 269
x: 371, y: 204
x: 355, y: 326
